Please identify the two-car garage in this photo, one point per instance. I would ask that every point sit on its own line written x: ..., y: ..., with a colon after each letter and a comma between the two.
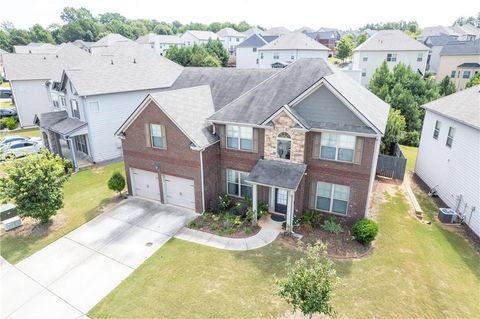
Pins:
x: 177, y: 191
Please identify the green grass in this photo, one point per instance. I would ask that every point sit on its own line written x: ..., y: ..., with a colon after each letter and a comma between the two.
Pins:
x: 30, y: 132
x: 5, y: 85
x: 85, y: 194
x: 415, y: 271
x: 411, y: 153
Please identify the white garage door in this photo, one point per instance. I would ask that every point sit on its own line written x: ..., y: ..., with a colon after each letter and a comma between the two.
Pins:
x: 179, y: 191
x: 145, y: 184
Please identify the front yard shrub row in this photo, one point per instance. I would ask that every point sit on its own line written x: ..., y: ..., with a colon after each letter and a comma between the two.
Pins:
x: 365, y: 231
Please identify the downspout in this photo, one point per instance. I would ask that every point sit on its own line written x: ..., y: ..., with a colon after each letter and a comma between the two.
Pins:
x: 372, y: 172
x: 202, y: 180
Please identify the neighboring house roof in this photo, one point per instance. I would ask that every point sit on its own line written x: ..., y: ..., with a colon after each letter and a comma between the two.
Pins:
x: 36, y: 48
x: 254, y: 30
x: 110, y: 39
x: 325, y: 35
x: 81, y: 43
x: 294, y: 41
x: 128, y: 67
x: 226, y: 84
x: 466, y: 29
x: 147, y: 38
x: 152, y: 38
x: 469, y: 65
x: 463, y: 106
x: 230, y: 32
x: 277, y: 173
x: 203, y: 35
x: 189, y: 108
x: 456, y: 30
x: 256, y: 41
x: 270, y: 95
x: 304, y: 29
x: 391, y: 40
x: 278, y: 31
x: 43, y: 66
x: 462, y: 48
x: 440, y: 40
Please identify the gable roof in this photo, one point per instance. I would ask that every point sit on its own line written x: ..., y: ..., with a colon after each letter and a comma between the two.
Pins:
x: 43, y: 66
x: 440, y: 40
x: 36, y: 48
x: 254, y: 30
x: 230, y: 32
x: 147, y: 38
x: 463, y: 106
x: 278, y: 31
x: 294, y: 41
x: 256, y: 41
x: 110, y: 39
x: 152, y: 38
x: 462, y: 48
x: 203, y: 35
x: 391, y: 40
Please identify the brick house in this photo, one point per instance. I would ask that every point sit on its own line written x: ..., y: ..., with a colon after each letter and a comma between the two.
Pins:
x: 305, y: 137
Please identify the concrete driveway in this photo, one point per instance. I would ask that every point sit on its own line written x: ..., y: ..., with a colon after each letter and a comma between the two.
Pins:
x: 70, y: 276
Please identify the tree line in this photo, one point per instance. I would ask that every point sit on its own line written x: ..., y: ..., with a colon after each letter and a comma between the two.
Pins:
x: 81, y: 24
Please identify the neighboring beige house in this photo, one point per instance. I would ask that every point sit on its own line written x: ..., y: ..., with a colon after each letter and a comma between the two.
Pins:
x: 459, y: 61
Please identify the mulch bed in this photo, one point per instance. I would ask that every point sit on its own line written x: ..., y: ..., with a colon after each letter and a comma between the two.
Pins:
x: 208, y: 224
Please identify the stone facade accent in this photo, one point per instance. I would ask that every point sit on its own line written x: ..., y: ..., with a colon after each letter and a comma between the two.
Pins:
x: 284, y: 123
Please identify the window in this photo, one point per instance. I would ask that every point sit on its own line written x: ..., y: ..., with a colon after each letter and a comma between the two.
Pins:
x: 420, y: 57
x: 292, y: 56
x: 451, y: 135
x: 332, y: 198
x: 55, y: 101
x: 240, y: 137
x: 452, y: 75
x: 466, y: 74
x: 337, y: 147
x: 391, y: 57
x: 94, y: 107
x: 261, y: 55
x: 74, y: 108
x: 236, y: 184
x: 254, y: 49
x: 70, y: 85
x: 284, y: 144
x: 64, y: 102
x: 81, y: 143
x: 157, y: 135
x: 276, y: 56
x: 364, y: 72
x: 238, y: 39
x: 436, y: 132
x: 365, y: 58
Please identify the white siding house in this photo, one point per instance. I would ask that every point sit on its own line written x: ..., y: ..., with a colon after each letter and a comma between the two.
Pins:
x: 159, y: 43
x: 449, y: 153
x: 393, y: 46
x: 192, y: 37
x: 247, y: 51
x: 231, y: 38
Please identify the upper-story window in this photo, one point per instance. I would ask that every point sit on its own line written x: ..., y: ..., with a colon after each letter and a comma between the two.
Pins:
x: 391, y: 57
x: 238, y: 39
x: 74, y: 109
x: 365, y: 59
x: 254, y: 49
x: 337, y: 147
x: 364, y: 72
x: 276, y: 56
x: 261, y: 55
x: 466, y: 74
x: 420, y: 57
x: 436, y: 131
x: 157, y: 135
x: 451, y: 135
x: 452, y: 75
x: 240, y: 137
x: 63, y: 101
x: 284, y: 145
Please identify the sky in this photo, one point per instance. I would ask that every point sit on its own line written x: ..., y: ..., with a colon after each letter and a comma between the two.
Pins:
x: 292, y: 14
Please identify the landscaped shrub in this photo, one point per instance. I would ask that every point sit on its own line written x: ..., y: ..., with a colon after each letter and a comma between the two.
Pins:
x: 365, y: 231
x: 11, y: 122
x: 295, y: 222
x: 332, y: 226
x: 116, y: 182
x: 411, y: 138
x: 224, y: 202
x: 67, y: 165
x: 214, y: 206
x: 311, y: 219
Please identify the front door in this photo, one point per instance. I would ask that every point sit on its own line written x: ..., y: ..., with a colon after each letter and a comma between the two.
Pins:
x: 281, y: 199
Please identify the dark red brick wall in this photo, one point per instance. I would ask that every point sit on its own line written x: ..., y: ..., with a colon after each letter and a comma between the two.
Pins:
x: 211, y: 171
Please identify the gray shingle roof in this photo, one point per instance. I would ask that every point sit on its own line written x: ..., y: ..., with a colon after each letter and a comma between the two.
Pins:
x: 257, y: 41
x: 462, y: 48
x: 469, y: 65
x: 189, y: 108
x: 294, y: 41
x: 463, y: 106
x: 391, y: 40
x: 110, y: 39
x: 36, y: 48
x: 278, y: 31
x: 226, y: 84
x: 43, y: 66
x: 438, y: 40
x: 45, y: 120
x: 152, y: 38
x: 67, y: 126
x: 277, y: 173
x: 230, y: 32
x: 203, y: 35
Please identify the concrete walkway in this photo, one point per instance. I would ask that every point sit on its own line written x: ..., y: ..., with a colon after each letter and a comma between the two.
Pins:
x: 267, y: 234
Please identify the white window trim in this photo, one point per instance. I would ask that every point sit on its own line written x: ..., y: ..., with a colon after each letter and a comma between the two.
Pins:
x: 436, y: 131
x: 239, y: 148
x: 151, y: 137
x: 331, y: 199
x: 284, y: 139
x: 73, y: 101
x: 451, y: 137
x: 337, y: 148
x: 237, y: 172
x: 393, y: 57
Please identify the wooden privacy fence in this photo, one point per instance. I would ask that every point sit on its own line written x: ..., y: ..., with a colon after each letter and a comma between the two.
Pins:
x: 392, y: 166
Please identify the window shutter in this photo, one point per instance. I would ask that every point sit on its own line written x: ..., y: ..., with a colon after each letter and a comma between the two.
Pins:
x: 255, y: 140
x: 359, y: 150
x: 221, y: 134
x: 164, y: 137
x: 223, y: 181
x: 311, y: 195
x: 317, y: 137
x: 148, y: 140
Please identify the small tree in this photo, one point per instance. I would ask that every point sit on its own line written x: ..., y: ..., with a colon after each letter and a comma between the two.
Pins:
x: 362, y: 37
x: 345, y: 47
x: 35, y: 184
x: 393, y: 132
x: 116, y: 183
x: 446, y: 87
x: 474, y: 81
x: 310, y: 282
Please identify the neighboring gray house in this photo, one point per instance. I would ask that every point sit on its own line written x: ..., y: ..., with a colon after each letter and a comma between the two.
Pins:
x: 32, y: 77
x: 436, y: 44
x: 247, y: 51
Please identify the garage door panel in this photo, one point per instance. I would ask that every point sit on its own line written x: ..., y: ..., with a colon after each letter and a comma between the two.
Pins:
x: 179, y: 191
x: 145, y: 184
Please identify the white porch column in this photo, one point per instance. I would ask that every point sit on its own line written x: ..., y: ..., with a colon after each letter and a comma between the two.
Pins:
x: 254, y: 203
x: 290, y: 211
x: 73, y: 153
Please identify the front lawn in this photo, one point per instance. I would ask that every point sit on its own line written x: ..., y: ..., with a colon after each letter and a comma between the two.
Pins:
x: 410, y: 153
x: 85, y: 194
x: 29, y: 132
x: 416, y: 271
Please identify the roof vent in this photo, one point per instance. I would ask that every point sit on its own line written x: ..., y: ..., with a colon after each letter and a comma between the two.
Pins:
x: 56, y: 56
x: 44, y: 57
x: 134, y: 61
x: 29, y: 51
x: 111, y: 62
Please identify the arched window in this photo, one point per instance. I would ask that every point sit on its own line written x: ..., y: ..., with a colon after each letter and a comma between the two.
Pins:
x: 284, y: 144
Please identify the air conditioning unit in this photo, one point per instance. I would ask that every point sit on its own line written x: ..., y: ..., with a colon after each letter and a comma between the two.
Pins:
x: 12, y: 223
x: 447, y: 215
x: 7, y: 211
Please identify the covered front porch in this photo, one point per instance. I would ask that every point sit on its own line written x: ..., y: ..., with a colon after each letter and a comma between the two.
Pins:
x: 282, y: 179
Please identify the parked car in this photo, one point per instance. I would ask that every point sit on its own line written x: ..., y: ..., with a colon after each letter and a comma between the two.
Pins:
x: 5, y: 93
x: 16, y: 138
x: 7, y: 113
x: 18, y: 149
